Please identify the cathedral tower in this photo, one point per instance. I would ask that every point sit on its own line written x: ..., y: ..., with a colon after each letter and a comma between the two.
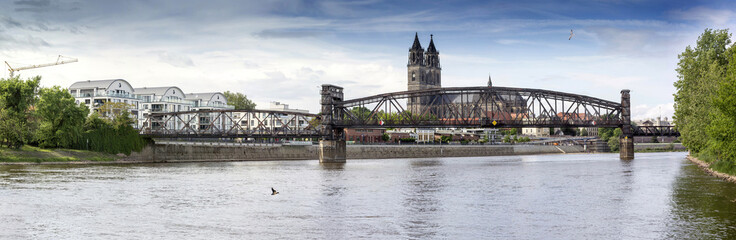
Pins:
x: 424, y: 72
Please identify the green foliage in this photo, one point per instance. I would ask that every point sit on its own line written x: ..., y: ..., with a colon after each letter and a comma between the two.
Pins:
x: 385, y: 137
x: 705, y: 103
x: 445, y: 139
x: 584, y: 132
x: 654, y: 139
x: 507, y: 139
x: 700, y: 73
x: 614, y: 140
x: 605, y: 133
x: 239, y: 101
x: 61, y: 120
x: 116, y: 136
x: 16, y: 98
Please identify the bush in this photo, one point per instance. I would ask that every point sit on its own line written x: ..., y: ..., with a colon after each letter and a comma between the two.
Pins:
x: 117, y: 136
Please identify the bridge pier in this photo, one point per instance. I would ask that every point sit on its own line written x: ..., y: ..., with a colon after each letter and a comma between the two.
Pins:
x: 626, y: 142
x: 332, y: 148
x: 626, y: 148
x: 332, y: 151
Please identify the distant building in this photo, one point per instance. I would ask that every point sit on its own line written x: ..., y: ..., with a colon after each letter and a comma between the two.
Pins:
x: 96, y: 93
x: 536, y: 132
x: 147, y: 100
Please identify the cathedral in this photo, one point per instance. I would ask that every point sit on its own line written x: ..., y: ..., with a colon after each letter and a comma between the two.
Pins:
x: 424, y: 72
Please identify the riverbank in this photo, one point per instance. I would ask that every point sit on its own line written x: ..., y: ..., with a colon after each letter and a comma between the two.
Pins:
x: 182, y: 151
x: 194, y: 152
x: 34, y: 155
x: 706, y: 167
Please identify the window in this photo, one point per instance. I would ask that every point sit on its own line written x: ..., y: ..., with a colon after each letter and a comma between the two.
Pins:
x: 86, y: 101
x: 413, y: 76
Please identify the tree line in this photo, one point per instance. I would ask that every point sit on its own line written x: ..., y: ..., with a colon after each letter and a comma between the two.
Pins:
x: 705, y: 101
x: 51, y: 118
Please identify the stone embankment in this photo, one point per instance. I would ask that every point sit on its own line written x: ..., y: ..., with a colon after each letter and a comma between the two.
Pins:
x: 189, y: 152
x: 706, y: 167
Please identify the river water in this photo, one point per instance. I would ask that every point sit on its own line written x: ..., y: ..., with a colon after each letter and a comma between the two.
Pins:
x: 574, y: 196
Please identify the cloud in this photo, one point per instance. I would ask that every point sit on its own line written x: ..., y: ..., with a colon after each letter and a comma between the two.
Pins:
x: 273, y: 33
x: 717, y: 17
x: 33, y: 3
x: 176, y: 60
x: 644, y: 111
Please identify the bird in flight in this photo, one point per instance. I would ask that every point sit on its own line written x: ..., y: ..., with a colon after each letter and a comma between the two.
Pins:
x: 274, y: 192
x: 571, y: 34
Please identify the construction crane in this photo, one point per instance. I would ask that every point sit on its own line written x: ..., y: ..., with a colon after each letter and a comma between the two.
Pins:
x: 60, y: 60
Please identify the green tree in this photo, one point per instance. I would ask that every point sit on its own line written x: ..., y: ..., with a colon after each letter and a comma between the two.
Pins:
x: 700, y: 71
x: 16, y: 98
x: 614, y: 141
x: 61, y: 119
x: 584, y: 132
x: 385, y: 137
x: 239, y: 101
x: 722, y: 131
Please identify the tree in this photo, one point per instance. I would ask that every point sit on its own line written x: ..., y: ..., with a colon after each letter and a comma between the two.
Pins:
x: 16, y: 98
x: 584, y: 132
x: 614, y: 142
x: 361, y: 112
x: 112, y: 110
x: 700, y: 71
x: 654, y: 139
x: 722, y: 131
x: 61, y: 119
x: 239, y: 101
x: 385, y: 137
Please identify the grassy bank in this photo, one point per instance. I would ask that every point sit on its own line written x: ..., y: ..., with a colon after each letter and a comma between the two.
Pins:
x: 719, y: 165
x: 38, y: 155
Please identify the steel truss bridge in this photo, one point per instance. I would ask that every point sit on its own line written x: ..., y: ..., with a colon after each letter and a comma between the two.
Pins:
x: 455, y: 107
x: 479, y: 107
x: 231, y: 124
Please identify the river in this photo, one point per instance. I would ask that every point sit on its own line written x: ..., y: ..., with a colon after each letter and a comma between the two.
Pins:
x: 573, y: 196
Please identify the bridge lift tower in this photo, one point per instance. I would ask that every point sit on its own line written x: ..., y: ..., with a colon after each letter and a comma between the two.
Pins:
x: 59, y: 60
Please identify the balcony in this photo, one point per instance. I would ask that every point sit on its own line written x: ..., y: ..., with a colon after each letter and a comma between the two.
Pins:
x: 103, y: 94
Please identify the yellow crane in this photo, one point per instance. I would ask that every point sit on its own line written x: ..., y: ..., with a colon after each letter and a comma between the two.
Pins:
x: 60, y: 60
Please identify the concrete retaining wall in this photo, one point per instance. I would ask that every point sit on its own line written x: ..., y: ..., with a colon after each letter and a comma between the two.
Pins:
x: 184, y: 153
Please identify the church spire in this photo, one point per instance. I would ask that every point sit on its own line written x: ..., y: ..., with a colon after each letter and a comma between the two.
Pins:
x: 431, y: 48
x: 490, y: 83
x: 416, y: 52
x: 433, y: 56
x: 416, y: 45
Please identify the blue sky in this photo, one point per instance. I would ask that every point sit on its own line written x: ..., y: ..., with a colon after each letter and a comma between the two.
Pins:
x: 282, y: 50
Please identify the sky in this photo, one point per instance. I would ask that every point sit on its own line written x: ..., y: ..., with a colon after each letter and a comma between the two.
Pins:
x: 277, y: 50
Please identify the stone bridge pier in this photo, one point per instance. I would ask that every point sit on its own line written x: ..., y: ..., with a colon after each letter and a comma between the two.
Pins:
x: 626, y: 148
x: 332, y: 148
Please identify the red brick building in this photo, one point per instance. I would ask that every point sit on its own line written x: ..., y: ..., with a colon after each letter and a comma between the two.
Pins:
x: 364, y: 135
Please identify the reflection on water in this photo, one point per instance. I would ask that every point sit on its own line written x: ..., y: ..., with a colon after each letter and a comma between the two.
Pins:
x: 576, y: 196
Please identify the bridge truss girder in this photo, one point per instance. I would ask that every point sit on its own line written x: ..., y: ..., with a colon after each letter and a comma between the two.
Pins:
x: 230, y: 124
x: 478, y: 107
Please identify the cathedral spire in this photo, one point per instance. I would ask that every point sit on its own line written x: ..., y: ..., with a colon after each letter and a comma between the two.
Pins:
x: 490, y: 83
x: 416, y: 45
x: 431, y: 48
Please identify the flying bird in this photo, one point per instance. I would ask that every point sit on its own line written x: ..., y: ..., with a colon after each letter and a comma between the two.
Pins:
x: 274, y: 192
x: 571, y: 34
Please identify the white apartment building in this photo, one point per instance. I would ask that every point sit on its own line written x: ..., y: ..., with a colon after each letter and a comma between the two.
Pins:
x: 163, y: 100
x: 148, y: 100
x: 96, y: 93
